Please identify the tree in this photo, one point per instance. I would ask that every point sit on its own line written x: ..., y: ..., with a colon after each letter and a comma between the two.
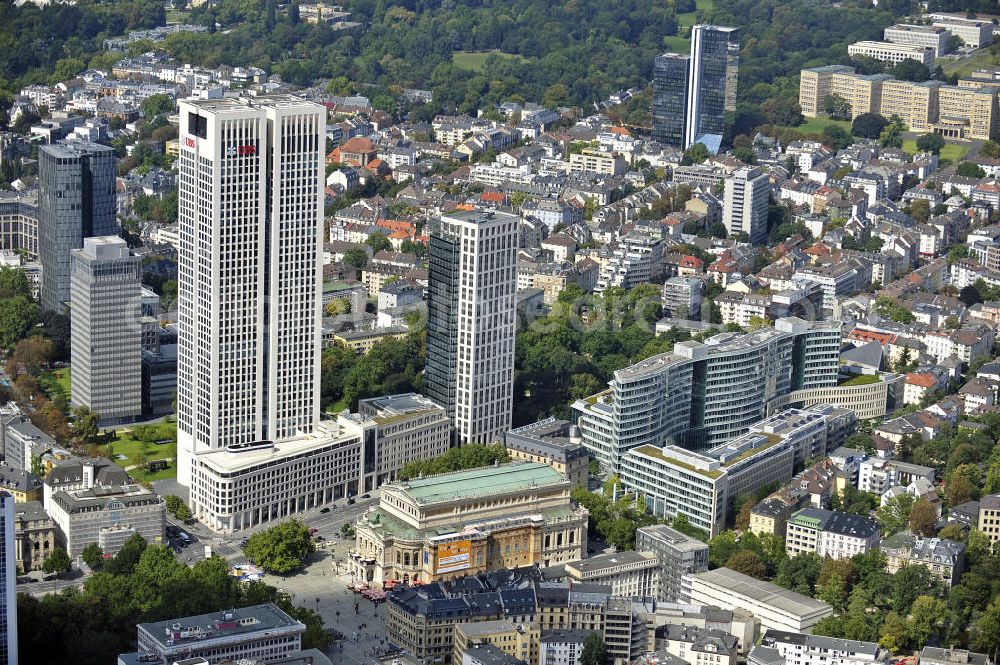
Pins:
x: 282, y: 548
x: 17, y: 316
x: 868, y: 125
x: 743, y: 517
x: 911, y: 70
x: 356, y: 258
x: 14, y: 281
x: 958, y: 490
x: 922, y: 517
x: 837, y: 107
x: 177, y: 507
x: 952, y: 531
x: 749, y: 563
x: 970, y: 170
x: 894, y: 633
x: 31, y: 354
x: 969, y: 295
x: 782, y: 111
x: 85, y: 424
x: 920, y: 210
x: 378, y: 242
x: 927, y: 618
x: 57, y: 562
x: 894, y: 516
x: 93, y: 556
x: 594, y: 650
x: 696, y: 154
x: 155, y: 105
x: 930, y: 142
x: 990, y: 149
x: 986, y: 630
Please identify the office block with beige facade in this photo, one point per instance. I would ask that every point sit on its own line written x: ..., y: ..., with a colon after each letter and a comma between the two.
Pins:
x: 554, y: 442
x: 468, y: 522
x: 814, y: 86
x: 513, y: 638
x: 892, y: 53
x: 967, y: 113
x: 596, y: 161
x: 107, y: 516
x: 974, y: 33
x: 862, y: 91
x: 915, y: 103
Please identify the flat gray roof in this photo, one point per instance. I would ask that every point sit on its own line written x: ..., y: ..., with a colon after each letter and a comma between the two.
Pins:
x: 763, y: 592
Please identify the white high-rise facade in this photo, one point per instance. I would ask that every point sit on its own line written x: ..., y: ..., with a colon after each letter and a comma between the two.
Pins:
x: 744, y: 207
x: 251, y: 446
x: 472, y: 319
x: 8, y: 582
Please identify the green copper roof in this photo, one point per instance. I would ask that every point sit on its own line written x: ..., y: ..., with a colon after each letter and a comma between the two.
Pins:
x: 485, y: 481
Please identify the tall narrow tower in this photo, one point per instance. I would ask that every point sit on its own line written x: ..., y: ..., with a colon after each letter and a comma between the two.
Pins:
x: 670, y: 86
x: 250, y: 273
x: 76, y: 200
x: 715, y: 57
x: 106, y: 333
x: 8, y: 582
x: 472, y: 317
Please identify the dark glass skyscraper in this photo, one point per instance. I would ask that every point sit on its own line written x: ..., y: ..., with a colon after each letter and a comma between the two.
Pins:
x: 715, y: 57
x: 442, y: 317
x: 76, y: 200
x: 670, y: 79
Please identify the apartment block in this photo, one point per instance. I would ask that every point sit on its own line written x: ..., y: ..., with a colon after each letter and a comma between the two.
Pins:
x: 924, y: 36
x: 697, y: 646
x: 678, y: 553
x: 830, y: 533
x: 816, y: 650
x: 747, y: 193
x: 892, y: 53
x: 682, y: 297
x: 944, y: 559
x: 989, y: 517
x: 596, y: 161
x: 519, y: 640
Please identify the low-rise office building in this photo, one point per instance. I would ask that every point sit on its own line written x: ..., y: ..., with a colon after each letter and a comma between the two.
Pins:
x: 893, y: 53
x: 799, y: 649
x: 628, y: 573
x: 830, y: 533
x: 467, y: 522
x: 679, y: 554
x: 561, y: 647
x: 487, y: 654
x: 260, y: 632
x: 22, y: 441
x: 107, y: 516
x: 926, y: 36
x: 945, y: 559
x: 554, y: 442
x: 775, y: 606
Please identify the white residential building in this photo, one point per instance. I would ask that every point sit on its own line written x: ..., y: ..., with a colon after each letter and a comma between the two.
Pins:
x: 830, y: 533
x: 799, y: 649
x: 471, y: 321
x: 745, y: 202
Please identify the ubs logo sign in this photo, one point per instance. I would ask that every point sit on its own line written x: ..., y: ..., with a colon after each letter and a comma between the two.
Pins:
x: 189, y: 142
x: 234, y: 150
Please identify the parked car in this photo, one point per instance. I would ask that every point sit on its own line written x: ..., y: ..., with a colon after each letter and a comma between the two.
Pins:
x: 366, y: 495
x: 326, y: 509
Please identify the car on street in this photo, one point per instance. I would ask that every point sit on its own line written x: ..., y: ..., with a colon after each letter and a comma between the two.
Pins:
x: 243, y: 543
x: 326, y: 509
x: 366, y: 495
x: 350, y: 501
x: 313, y: 531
